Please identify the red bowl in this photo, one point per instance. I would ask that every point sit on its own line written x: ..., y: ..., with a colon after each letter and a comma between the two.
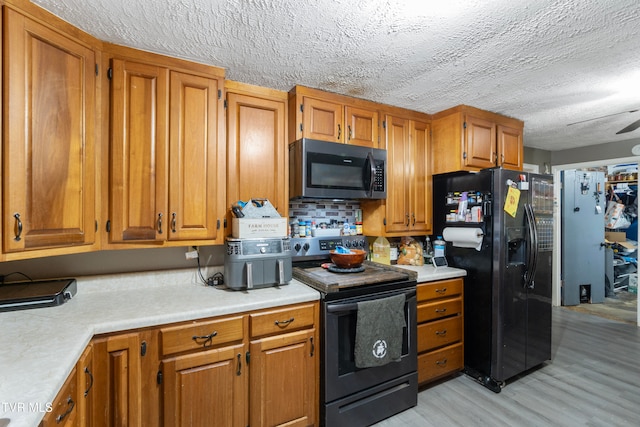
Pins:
x: 352, y: 260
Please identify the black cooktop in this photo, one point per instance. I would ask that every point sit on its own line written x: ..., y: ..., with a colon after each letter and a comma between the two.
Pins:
x: 37, y: 293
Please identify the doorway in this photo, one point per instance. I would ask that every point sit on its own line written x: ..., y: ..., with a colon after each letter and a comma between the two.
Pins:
x: 557, y: 257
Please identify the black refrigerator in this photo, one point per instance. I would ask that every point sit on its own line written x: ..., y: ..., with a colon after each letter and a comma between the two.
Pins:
x: 498, y: 226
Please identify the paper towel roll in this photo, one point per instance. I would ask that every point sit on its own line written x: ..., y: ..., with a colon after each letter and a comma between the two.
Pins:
x: 464, y: 237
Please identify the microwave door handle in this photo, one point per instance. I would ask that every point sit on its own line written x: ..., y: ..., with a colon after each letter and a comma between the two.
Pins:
x: 372, y: 173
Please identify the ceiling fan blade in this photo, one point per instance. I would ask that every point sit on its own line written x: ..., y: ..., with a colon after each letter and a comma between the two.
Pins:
x: 601, y: 117
x: 633, y: 126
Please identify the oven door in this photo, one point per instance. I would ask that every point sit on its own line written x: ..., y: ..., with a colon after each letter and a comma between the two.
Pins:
x: 341, y: 376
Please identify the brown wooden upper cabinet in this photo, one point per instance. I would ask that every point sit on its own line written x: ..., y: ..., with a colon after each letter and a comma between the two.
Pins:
x: 407, y: 209
x: 167, y: 150
x: 467, y: 138
x: 331, y: 117
x: 48, y: 137
x: 257, y: 165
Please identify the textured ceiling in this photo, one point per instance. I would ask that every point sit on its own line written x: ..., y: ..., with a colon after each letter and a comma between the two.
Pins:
x: 549, y: 63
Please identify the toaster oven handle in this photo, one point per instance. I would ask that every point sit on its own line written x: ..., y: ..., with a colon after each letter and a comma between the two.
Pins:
x: 370, y: 168
x: 249, y: 275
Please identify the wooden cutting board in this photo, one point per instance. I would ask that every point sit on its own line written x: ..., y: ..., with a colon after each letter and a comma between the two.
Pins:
x: 327, y: 281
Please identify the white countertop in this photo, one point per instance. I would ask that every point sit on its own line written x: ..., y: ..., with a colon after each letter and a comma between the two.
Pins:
x: 39, y: 347
x: 428, y: 273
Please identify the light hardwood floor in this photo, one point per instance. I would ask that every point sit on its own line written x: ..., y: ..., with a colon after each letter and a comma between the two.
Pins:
x: 593, y: 379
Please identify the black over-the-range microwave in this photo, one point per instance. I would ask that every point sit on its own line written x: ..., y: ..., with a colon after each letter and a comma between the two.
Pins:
x: 329, y: 170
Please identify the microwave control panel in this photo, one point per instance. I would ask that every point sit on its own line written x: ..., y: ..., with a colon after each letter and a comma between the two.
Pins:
x: 378, y: 184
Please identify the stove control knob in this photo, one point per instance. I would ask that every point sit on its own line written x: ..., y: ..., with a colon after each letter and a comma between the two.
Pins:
x: 305, y: 247
x: 361, y: 243
x: 297, y: 247
x: 263, y: 250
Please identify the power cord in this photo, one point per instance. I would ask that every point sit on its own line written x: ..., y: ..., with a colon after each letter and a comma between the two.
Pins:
x: 216, y: 280
x: 2, y: 277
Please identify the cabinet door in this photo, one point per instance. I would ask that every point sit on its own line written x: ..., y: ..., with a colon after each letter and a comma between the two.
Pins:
x: 480, y: 138
x: 510, y: 150
x: 207, y: 388
x: 49, y: 164
x: 322, y: 120
x: 85, y: 381
x: 399, y: 170
x: 138, y: 152
x: 256, y: 142
x: 196, y: 189
x: 63, y: 408
x: 117, y: 401
x: 283, y: 380
x: 420, y: 178
x: 362, y: 127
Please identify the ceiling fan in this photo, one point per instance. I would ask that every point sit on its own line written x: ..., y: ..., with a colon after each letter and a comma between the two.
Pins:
x: 631, y: 127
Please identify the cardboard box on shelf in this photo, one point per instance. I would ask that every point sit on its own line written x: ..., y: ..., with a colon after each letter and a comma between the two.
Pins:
x: 615, y: 236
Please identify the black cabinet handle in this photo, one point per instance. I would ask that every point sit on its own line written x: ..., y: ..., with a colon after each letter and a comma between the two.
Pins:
x: 160, y: 223
x: 283, y: 322
x: 18, y: 227
x: 239, y: 371
x: 88, y: 372
x: 207, y: 340
x: 173, y: 222
x: 71, y: 404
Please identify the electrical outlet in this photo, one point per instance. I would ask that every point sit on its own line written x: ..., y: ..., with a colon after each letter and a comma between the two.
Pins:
x: 191, y: 254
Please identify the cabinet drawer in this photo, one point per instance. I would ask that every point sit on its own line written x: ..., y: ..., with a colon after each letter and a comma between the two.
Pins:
x: 439, y: 309
x: 63, y: 408
x: 439, y: 363
x: 201, y: 334
x: 439, y: 333
x: 281, y: 320
x: 441, y: 289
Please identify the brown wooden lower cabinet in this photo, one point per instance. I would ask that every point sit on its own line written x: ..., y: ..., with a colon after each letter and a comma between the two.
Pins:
x: 85, y: 382
x: 257, y: 368
x: 117, y: 399
x: 207, y: 388
x: 64, y: 410
x: 440, y: 329
x: 283, y: 380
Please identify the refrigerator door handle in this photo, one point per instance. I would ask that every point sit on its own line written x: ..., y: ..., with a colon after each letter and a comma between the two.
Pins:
x: 532, y: 262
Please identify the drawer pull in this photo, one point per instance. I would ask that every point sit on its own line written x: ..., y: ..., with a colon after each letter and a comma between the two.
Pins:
x: 442, y: 332
x: 283, y: 323
x: 88, y: 372
x: 207, y: 340
x: 239, y: 371
x: 71, y: 404
x: 441, y: 291
x: 442, y: 362
x: 441, y: 310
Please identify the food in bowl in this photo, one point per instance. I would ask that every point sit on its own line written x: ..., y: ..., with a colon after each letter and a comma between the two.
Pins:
x: 351, y: 260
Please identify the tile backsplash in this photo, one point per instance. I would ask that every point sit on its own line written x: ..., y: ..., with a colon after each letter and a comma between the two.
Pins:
x: 323, y: 210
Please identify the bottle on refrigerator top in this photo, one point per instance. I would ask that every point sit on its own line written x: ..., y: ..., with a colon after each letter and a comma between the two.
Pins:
x: 438, y: 247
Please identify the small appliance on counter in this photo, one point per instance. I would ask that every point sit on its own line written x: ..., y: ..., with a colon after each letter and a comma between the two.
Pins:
x: 36, y: 294
x: 257, y: 263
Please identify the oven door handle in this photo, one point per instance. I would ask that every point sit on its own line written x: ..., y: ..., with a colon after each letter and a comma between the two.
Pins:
x: 338, y: 308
